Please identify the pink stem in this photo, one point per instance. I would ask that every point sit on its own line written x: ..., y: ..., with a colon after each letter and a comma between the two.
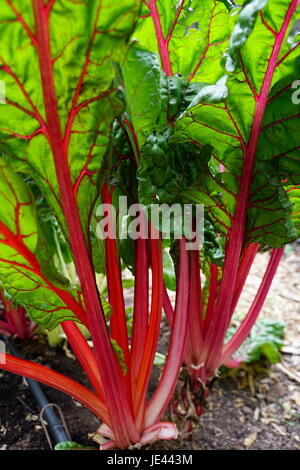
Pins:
x: 191, y: 359
x: 243, y: 331
x: 141, y: 309
x: 243, y: 271
x: 17, y: 318
x: 16, y: 322
x: 60, y: 382
x: 170, y: 373
x: 194, y: 339
x: 6, y: 328
x: 153, y: 330
x: 161, y: 41
x: 84, y: 355
x: 118, y: 325
x: 213, y: 286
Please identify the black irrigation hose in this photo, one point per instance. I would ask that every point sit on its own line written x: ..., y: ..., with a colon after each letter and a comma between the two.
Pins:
x: 56, y: 428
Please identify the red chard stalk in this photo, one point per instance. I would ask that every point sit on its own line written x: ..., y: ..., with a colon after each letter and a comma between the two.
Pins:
x: 165, y: 103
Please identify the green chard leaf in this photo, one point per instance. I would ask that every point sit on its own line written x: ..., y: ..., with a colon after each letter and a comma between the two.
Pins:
x: 56, y: 62
x: 84, y: 37
x: 27, y: 270
x: 254, y: 135
x: 189, y: 35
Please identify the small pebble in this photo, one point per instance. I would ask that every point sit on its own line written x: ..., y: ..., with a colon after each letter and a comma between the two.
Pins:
x: 247, y: 410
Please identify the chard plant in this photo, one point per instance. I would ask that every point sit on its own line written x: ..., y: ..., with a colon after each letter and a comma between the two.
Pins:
x: 197, y: 109
x: 211, y: 95
x: 56, y: 63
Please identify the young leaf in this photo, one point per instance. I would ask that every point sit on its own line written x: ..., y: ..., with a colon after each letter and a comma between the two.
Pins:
x: 168, y: 168
x: 265, y: 340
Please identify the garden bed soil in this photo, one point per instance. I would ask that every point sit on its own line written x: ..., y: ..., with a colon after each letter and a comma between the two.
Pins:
x: 250, y: 409
x: 246, y: 412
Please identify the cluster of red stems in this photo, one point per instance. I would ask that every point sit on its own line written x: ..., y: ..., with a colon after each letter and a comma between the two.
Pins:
x: 120, y: 399
x: 13, y: 319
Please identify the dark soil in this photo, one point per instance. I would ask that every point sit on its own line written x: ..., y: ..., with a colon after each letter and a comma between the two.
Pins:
x: 254, y: 410
x: 20, y: 426
x: 257, y: 408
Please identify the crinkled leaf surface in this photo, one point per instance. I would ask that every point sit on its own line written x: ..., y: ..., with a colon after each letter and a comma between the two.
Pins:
x: 26, y: 267
x: 154, y: 99
x: 166, y: 169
